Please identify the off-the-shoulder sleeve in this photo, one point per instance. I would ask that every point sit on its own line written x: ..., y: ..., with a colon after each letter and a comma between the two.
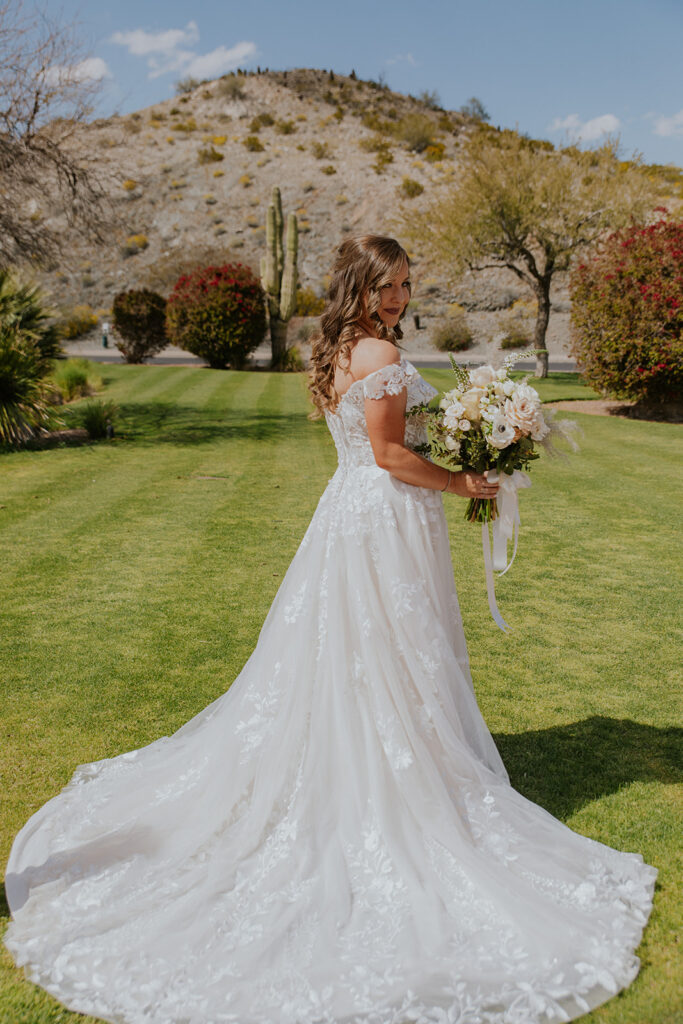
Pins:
x: 388, y: 380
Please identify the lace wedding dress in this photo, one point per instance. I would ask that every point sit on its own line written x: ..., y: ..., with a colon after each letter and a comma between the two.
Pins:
x: 335, y: 838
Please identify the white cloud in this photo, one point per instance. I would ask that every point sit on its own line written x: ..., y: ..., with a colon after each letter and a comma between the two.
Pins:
x: 169, y: 51
x: 92, y: 69
x: 220, y: 60
x: 141, y: 43
x: 586, y: 131
x: 670, y: 125
x: 402, y: 58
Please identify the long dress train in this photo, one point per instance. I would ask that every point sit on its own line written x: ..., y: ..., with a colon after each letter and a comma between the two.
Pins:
x: 334, y: 839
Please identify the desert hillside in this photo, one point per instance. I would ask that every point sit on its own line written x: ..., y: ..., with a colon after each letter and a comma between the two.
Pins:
x: 190, y: 180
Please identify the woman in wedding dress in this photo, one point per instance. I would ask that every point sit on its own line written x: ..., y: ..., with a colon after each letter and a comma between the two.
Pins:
x: 334, y: 839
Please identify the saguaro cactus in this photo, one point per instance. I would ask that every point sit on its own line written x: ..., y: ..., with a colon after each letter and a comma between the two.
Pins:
x: 279, y: 275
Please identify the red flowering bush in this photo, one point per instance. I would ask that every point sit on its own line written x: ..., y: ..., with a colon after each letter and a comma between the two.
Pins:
x: 217, y: 313
x: 627, y: 315
x: 139, y: 321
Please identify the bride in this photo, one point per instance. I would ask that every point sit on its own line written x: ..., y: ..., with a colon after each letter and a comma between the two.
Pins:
x: 335, y: 839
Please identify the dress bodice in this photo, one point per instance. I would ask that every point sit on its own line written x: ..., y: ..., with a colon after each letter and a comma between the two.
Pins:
x: 347, y: 423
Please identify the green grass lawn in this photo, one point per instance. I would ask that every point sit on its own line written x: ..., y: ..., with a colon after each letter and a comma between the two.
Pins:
x: 135, y: 575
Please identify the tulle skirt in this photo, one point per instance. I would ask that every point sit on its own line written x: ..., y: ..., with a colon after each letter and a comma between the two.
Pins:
x: 335, y: 838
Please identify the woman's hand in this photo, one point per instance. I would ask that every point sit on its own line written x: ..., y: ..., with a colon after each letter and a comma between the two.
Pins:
x: 472, y: 485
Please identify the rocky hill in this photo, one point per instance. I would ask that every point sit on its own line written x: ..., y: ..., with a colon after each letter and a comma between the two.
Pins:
x: 190, y: 180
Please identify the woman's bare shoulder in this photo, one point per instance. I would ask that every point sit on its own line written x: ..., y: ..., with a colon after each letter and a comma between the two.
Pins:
x: 370, y: 354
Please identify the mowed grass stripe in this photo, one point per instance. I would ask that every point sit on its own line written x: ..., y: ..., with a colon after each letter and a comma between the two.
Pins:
x: 142, y: 633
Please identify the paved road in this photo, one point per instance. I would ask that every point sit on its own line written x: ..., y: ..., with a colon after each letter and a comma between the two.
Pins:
x: 172, y: 356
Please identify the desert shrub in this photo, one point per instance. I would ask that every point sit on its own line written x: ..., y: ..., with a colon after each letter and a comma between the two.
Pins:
x: 70, y: 379
x: 513, y: 340
x: 307, y: 328
x: 453, y: 335
x: 23, y: 308
x: 139, y: 319
x: 253, y: 144
x: 77, y: 321
x: 246, y: 180
x: 185, y: 85
x: 285, y: 127
x: 417, y: 131
x: 231, y: 87
x: 292, y: 361
x: 329, y: 169
x: 430, y: 98
x: 516, y: 324
x: 209, y: 155
x: 308, y: 302
x: 217, y: 313
x: 411, y: 188
x: 129, y: 185
x: 185, y: 126
x: 219, y: 140
x: 435, y: 151
x: 23, y: 405
x: 627, y: 314
x: 320, y: 150
x: 133, y: 245
x: 98, y: 418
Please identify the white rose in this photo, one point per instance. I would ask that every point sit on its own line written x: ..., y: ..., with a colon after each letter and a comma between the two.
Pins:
x: 464, y: 424
x: 499, y: 388
x: 522, y: 411
x: 456, y: 408
x: 482, y: 376
x: 470, y: 402
x: 452, y: 444
x: 502, y: 373
x: 502, y: 433
x: 526, y: 391
x: 444, y: 403
x: 508, y: 387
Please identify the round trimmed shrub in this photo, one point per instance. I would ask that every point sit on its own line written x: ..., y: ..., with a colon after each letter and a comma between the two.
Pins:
x: 217, y: 313
x: 139, y: 319
x: 627, y: 315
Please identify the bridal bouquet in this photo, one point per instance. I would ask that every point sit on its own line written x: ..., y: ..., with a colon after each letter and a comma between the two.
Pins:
x: 489, y: 421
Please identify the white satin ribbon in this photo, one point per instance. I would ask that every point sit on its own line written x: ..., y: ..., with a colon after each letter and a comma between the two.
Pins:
x: 504, y: 527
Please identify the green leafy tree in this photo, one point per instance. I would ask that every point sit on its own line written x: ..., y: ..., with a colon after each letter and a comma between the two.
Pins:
x: 522, y: 206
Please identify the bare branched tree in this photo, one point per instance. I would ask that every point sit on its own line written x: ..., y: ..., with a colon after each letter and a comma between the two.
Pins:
x: 48, y: 180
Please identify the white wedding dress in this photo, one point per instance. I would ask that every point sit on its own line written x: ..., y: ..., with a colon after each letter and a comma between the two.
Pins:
x: 335, y: 839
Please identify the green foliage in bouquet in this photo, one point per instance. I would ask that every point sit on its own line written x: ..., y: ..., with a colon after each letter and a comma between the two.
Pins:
x: 217, y: 313
x: 627, y: 315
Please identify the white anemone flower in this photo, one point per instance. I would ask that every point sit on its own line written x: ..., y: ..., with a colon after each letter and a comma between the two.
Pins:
x: 502, y: 433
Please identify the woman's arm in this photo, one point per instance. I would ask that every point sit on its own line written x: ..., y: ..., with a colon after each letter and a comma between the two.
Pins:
x: 385, y: 418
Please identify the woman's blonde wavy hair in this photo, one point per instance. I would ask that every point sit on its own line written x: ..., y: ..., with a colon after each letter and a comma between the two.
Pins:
x: 362, y: 266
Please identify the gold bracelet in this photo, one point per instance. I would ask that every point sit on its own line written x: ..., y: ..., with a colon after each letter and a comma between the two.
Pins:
x: 448, y: 480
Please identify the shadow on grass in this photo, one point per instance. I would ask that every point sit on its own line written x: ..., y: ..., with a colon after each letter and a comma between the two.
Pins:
x: 567, y: 766
x: 170, y: 423
x: 4, y: 906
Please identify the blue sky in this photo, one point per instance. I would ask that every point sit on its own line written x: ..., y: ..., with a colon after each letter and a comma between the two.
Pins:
x: 553, y: 69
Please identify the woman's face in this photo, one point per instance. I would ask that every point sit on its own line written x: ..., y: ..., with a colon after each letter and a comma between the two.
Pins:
x: 395, y: 296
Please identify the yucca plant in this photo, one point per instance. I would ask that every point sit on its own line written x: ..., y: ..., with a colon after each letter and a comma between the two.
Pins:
x: 23, y: 306
x: 23, y: 405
